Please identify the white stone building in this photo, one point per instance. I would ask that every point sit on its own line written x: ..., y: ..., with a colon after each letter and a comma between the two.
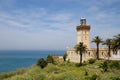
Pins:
x: 83, y: 35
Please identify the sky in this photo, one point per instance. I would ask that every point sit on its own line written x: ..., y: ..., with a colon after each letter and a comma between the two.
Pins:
x: 51, y: 24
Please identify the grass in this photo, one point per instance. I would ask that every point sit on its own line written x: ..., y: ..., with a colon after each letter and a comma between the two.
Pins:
x: 62, y: 71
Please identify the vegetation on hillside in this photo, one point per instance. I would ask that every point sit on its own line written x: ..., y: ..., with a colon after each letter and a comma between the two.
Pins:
x: 68, y: 71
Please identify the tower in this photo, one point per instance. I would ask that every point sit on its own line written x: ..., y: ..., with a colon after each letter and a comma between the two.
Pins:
x: 83, y: 33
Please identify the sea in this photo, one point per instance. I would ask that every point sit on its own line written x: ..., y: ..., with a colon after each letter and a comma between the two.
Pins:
x: 12, y: 60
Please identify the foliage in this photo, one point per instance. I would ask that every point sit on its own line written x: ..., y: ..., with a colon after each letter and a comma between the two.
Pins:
x: 65, y: 71
x: 109, y: 43
x: 97, y: 40
x: 42, y: 63
x: 114, y: 65
x: 80, y: 49
x: 65, y: 76
x: 85, y: 63
x: 65, y: 56
x: 115, y: 78
x: 94, y: 77
x: 51, y: 69
x: 91, y: 61
x: 104, y: 66
x: 86, y: 73
x: 68, y: 60
x: 50, y: 59
x: 9, y: 74
x: 116, y: 44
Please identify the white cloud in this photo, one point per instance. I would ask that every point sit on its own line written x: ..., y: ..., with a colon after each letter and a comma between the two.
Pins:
x: 41, y: 28
x: 42, y: 31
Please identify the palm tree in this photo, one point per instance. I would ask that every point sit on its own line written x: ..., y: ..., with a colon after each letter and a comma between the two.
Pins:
x: 116, y: 43
x: 109, y: 43
x: 97, y: 40
x: 80, y: 49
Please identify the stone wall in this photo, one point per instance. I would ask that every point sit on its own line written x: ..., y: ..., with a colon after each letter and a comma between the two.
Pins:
x: 91, y: 53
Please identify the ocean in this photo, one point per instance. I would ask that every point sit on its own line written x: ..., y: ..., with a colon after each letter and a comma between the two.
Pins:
x: 16, y: 59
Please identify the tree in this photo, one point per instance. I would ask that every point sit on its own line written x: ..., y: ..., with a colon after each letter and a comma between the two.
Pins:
x: 65, y: 56
x: 97, y: 40
x: 50, y: 59
x: 41, y: 62
x: 80, y: 49
x: 116, y: 43
x: 109, y: 43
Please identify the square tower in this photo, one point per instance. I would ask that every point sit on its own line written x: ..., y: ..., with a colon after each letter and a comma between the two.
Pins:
x: 83, y: 33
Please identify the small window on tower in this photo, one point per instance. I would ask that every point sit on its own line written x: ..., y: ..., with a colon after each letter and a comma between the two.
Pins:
x: 85, y: 38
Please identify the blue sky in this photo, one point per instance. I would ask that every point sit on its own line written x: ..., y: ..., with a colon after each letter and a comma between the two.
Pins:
x: 51, y: 24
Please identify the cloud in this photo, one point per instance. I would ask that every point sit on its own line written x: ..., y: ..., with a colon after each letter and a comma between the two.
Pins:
x: 54, y: 26
x: 26, y: 31
x: 38, y: 18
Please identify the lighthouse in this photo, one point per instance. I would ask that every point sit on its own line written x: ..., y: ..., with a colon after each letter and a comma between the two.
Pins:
x: 83, y: 33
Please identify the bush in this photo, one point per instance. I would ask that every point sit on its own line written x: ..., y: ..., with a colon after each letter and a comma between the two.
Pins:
x: 65, y: 56
x: 91, y: 61
x: 42, y: 63
x: 115, y: 65
x: 94, y: 77
x: 86, y: 73
x: 115, y: 78
x: 51, y: 69
x: 104, y: 66
x: 50, y: 59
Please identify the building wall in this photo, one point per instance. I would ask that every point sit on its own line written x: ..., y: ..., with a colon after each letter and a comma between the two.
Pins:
x: 91, y: 53
x: 83, y: 36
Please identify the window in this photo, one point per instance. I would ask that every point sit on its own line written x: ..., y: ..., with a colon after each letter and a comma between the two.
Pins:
x: 89, y: 53
x: 85, y: 38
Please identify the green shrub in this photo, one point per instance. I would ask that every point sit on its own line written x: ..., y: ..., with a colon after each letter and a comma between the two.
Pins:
x: 104, y: 66
x: 85, y: 63
x: 115, y: 78
x: 65, y: 56
x: 51, y: 68
x: 91, y: 61
x: 115, y: 65
x: 50, y: 59
x: 86, y: 73
x: 42, y: 63
x: 94, y: 77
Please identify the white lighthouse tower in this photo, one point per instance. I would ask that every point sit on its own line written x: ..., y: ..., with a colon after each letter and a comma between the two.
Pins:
x: 83, y: 33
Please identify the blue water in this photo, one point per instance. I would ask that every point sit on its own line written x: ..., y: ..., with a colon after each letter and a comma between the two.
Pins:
x: 12, y: 60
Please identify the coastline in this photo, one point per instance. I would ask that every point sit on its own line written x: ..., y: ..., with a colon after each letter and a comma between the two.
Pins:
x: 13, y: 60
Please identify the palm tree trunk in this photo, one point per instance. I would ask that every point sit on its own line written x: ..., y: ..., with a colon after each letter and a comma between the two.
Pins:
x: 97, y: 52
x: 108, y: 52
x: 80, y: 59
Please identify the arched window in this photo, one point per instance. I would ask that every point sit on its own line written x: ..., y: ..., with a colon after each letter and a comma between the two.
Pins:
x: 89, y: 53
x: 102, y: 53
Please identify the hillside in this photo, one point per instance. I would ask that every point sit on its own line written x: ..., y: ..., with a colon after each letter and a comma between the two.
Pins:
x: 66, y: 71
